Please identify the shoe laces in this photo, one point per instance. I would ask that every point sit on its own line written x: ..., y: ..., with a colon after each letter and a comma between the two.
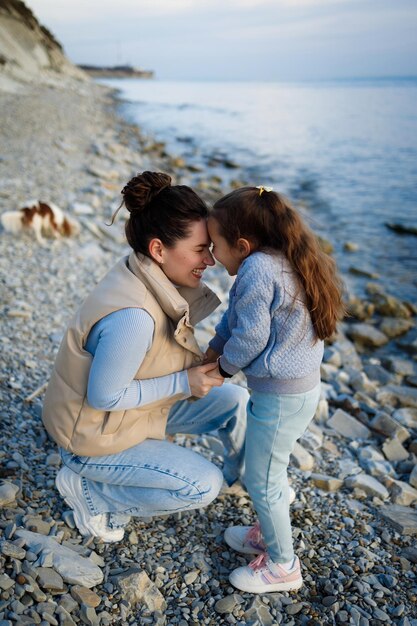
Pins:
x: 254, y: 535
x: 260, y: 562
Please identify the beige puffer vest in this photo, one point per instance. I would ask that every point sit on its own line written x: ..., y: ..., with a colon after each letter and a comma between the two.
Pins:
x: 135, y: 281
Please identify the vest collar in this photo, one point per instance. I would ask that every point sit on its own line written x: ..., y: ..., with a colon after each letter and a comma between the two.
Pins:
x: 193, y: 303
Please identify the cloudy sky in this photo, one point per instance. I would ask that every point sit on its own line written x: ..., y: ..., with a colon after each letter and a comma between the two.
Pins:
x: 239, y: 39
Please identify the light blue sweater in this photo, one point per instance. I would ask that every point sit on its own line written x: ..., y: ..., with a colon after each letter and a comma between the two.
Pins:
x: 267, y: 330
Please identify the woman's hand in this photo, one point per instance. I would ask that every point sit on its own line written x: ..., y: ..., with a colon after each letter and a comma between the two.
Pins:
x: 215, y: 372
x: 202, y: 378
x: 210, y: 356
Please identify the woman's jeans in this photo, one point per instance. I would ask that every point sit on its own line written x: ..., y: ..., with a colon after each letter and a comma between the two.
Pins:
x: 158, y: 477
x: 274, y: 423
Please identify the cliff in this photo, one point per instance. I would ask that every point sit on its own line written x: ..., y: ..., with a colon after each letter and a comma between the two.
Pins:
x: 28, y: 51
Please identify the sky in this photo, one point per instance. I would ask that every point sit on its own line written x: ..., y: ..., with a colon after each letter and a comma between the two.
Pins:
x: 239, y: 39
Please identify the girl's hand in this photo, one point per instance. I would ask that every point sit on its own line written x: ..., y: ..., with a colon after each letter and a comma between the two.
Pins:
x: 202, y: 378
x: 210, y: 356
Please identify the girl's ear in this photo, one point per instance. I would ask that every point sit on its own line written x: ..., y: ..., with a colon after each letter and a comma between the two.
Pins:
x: 156, y: 250
x: 244, y: 246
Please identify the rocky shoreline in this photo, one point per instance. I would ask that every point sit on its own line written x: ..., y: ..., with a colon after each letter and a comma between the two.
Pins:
x: 354, y: 471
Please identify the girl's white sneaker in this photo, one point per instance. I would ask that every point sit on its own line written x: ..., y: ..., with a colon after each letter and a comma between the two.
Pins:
x: 245, y: 539
x: 248, y: 539
x: 264, y: 576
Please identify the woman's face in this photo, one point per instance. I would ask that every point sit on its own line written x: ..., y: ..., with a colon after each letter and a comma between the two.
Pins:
x: 185, y: 263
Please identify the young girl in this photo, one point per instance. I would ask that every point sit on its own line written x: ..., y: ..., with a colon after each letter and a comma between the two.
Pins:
x: 285, y: 301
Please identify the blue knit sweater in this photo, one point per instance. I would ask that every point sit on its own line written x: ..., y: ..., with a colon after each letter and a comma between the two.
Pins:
x: 267, y: 330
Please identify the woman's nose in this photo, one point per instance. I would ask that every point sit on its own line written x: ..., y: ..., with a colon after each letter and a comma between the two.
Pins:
x: 208, y: 259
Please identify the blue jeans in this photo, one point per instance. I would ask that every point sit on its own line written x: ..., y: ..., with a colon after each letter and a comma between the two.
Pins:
x: 274, y: 424
x: 158, y: 477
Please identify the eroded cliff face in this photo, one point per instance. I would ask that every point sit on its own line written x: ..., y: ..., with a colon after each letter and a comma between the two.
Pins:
x: 28, y: 51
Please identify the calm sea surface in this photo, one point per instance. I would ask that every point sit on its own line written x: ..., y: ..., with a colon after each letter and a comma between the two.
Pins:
x: 346, y: 151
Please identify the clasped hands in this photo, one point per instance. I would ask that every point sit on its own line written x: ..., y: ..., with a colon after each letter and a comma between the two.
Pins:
x: 206, y: 376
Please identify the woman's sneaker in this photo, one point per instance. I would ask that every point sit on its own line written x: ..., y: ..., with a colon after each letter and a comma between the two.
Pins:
x: 248, y: 539
x: 69, y: 486
x: 264, y: 576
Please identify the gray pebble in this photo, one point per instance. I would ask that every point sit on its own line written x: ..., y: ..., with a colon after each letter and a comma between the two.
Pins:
x: 293, y: 609
x: 225, y: 605
x: 11, y: 550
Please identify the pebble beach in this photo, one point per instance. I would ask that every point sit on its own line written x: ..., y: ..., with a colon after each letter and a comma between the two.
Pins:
x: 354, y: 471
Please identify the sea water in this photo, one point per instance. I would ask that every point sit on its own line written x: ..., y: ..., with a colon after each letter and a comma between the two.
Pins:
x: 346, y: 151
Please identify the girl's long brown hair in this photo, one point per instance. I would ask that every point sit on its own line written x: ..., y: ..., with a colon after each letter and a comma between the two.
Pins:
x: 269, y: 222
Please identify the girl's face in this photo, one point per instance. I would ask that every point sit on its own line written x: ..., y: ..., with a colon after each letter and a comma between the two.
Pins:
x: 225, y: 254
x: 185, y: 263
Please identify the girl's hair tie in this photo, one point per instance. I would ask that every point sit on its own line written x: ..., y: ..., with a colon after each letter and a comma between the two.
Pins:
x: 262, y: 189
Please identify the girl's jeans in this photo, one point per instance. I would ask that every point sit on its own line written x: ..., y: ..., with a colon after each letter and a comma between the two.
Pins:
x: 274, y: 424
x: 158, y: 477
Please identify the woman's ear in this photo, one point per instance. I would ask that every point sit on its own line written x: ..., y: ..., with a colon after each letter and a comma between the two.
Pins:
x: 244, y: 246
x: 156, y: 248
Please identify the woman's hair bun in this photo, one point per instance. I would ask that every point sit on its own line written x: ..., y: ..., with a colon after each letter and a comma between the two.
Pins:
x: 143, y: 188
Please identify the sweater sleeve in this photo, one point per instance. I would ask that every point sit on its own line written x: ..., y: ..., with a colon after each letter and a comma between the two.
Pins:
x: 118, y: 344
x: 222, y: 334
x: 254, y: 299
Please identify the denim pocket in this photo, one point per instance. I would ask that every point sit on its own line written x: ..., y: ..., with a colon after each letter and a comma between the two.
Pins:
x: 267, y: 406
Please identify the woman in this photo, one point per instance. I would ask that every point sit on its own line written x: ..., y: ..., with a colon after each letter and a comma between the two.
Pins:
x: 127, y: 367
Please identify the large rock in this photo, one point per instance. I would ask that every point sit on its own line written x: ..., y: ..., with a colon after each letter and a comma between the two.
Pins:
x: 366, y: 335
x: 374, y: 463
x: 379, y: 469
x: 386, y: 305
x: 407, y: 417
x: 387, y: 425
x: 348, y: 426
x: 394, y: 326
x: 378, y: 373
x: 83, y: 595
x: 301, y: 458
x: 226, y: 604
x: 136, y: 587
x: 8, y: 493
x: 348, y: 354
x: 406, y: 396
x: 360, y: 382
x: 370, y: 453
x: 49, y: 579
x: 73, y: 568
x: 258, y: 613
x: 312, y: 439
x: 403, y: 367
x: 394, y: 450
x: 326, y: 483
x: 402, y: 518
x: 403, y: 493
x: 413, y: 477
x: 368, y: 484
x: 360, y: 309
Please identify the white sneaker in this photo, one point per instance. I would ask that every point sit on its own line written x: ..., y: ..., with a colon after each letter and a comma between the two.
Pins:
x: 264, y: 576
x: 70, y: 487
x: 248, y: 539
x: 245, y: 539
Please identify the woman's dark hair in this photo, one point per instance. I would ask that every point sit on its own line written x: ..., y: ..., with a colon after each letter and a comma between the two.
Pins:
x: 269, y: 222
x: 159, y: 210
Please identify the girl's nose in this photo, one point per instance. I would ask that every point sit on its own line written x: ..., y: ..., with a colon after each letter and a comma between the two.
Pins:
x: 208, y: 259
